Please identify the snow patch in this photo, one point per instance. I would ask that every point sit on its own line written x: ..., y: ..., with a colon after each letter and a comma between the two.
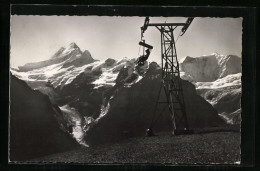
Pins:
x: 106, y: 78
x: 230, y: 80
x: 75, y: 117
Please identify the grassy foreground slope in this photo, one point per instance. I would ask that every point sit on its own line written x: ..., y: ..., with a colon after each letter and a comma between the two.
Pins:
x: 207, y: 148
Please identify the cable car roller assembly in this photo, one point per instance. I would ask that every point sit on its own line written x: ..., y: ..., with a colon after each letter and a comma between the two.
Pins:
x: 171, y: 83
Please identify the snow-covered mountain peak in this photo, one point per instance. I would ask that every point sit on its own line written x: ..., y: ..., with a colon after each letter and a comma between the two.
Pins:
x: 67, y: 50
x: 102, y: 73
x: 71, y: 48
x: 182, y: 59
x: 86, y: 52
x: 210, y: 67
x: 217, y: 79
x: 214, y: 54
x: 123, y: 60
x: 70, y: 55
x: 73, y: 45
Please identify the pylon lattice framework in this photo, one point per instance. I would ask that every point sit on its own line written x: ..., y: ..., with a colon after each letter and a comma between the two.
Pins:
x: 171, y: 82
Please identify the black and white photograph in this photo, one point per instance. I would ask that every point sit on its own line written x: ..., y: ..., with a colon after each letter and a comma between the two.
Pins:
x: 125, y: 89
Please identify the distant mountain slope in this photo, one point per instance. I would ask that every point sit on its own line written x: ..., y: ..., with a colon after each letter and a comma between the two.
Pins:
x: 71, y: 54
x: 226, y: 100
x: 34, y: 130
x: 59, y: 70
x: 218, y: 80
x: 210, y: 68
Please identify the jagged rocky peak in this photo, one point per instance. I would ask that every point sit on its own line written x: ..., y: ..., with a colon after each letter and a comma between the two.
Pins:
x: 73, y: 45
x: 58, y: 53
x: 70, y: 55
x: 66, y: 50
x: 125, y: 59
x: 87, y: 53
x: 186, y: 59
x: 110, y: 62
x: 154, y: 65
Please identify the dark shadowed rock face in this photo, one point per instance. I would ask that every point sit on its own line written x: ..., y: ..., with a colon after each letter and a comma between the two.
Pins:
x: 34, y: 130
x: 131, y: 110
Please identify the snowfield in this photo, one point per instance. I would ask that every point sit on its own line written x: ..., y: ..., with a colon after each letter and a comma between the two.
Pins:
x: 229, y: 80
x: 57, y: 75
x: 60, y: 76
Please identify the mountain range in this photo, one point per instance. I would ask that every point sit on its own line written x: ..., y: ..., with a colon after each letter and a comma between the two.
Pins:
x: 109, y: 100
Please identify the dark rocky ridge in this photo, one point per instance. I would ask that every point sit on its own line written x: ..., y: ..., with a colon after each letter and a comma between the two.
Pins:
x: 131, y: 111
x: 34, y: 130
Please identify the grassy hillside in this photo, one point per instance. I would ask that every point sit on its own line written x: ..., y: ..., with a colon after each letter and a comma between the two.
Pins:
x: 206, y: 148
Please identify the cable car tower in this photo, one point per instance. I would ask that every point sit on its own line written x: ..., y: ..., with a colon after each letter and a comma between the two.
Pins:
x: 171, y: 83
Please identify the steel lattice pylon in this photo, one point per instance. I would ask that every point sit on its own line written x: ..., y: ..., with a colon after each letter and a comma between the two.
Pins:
x: 171, y: 82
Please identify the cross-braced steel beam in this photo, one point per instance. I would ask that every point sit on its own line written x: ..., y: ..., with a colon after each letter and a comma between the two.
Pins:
x: 171, y: 82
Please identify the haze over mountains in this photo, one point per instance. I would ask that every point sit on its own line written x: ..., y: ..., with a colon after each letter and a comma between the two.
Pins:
x: 110, y: 100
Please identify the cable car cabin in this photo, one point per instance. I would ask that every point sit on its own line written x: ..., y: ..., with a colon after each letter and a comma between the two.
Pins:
x: 144, y: 57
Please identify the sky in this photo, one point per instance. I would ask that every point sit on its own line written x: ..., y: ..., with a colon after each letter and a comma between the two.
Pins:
x: 37, y: 38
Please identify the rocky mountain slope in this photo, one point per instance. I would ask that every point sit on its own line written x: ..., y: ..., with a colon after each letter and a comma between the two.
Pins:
x: 133, y: 109
x: 109, y: 100
x: 218, y: 80
x: 35, y: 124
